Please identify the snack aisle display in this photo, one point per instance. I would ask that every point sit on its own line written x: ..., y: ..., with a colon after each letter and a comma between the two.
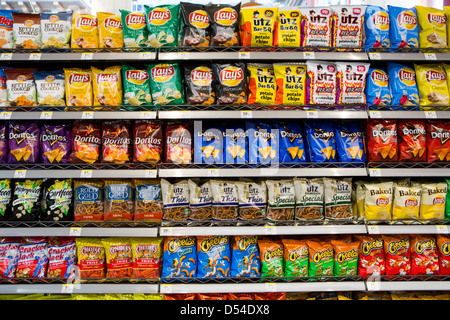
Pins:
x: 321, y: 165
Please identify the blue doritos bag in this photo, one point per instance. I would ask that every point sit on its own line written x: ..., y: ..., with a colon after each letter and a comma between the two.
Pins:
x: 349, y: 142
x: 208, y: 143
x: 292, y: 149
x: 377, y: 87
x: 263, y: 142
x: 376, y: 24
x: 404, y: 30
x: 321, y: 142
x: 214, y: 254
x: 403, y: 85
x: 179, y: 257
x: 235, y: 144
x: 245, y: 261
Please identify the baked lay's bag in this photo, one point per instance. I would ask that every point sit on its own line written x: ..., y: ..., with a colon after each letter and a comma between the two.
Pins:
x: 291, y: 83
x: 349, y: 142
x: 376, y: 27
x: 321, y: 83
x: 317, y: 27
x: 432, y: 84
x: 107, y: 86
x: 84, y: 31
x: 292, y: 147
x: 378, y: 200
x: 320, y: 140
x: 288, y: 30
x: 263, y: 142
x: 348, y: 24
x: 433, y: 28
x: 6, y: 29
x: 433, y: 200
x: 261, y: 84
x: 412, y: 143
x: 382, y: 142
x: 134, y: 28
x: 377, y: 87
x: 56, y: 29
x: 351, y: 81
x: 110, y: 31
x: 78, y: 87
x: 407, y: 201
x: 257, y: 26
x: 235, y: 144
x: 163, y: 25
x: 402, y: 84
x: 26, y: 30
x: 438, y: 140
x: 224, y: 24
x: 208, y: 143
x: 136, y: 86
x: 404, y: 27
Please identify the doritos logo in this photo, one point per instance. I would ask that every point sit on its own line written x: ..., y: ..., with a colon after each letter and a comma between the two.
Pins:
x: 353, y: 136
x: 52, y: 137
x: 20, y: 136
x: 384, y: 133
x: 441, y: 134
x: 322, y: 134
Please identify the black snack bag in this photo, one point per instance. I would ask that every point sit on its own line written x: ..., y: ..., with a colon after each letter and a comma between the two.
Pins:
x: 224, y: 24
x: 230, y: 83
x: 197, y: 26
x: 57, y: 200
x: 198, y: 79
x: 26, y: 203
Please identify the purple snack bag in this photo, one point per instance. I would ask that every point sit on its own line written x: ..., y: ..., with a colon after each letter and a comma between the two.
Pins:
x: 23, y: 142
x: 3, y: 143
x: 56, y: 143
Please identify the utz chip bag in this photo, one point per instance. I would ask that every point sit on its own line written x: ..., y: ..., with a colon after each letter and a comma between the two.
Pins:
x: 432, y: 205
x: 163, y: 25
x: 50, y: 88
x: 424, y: 255
x: 349, y: 142
x: 402, y: 82
x: 351, y: 81
x: 377, y: 87
x: 9, y: 256
x: 296, y: 256
x: 178, y: 146
x: 33, y: 258
x: 263, y: 141
x: 371, y: 255
x: 148, y: 141
x: 110, y: 31
x: 196, y: 25
x: 261, y: 84
x: 376, y: 27
x: 345, y: 258
x: 291, y: 84
x: 26, y: 200
x: 86, y: 142
x: 119, y: 257
x: 245, y: 259
x: 432, y: 84
x: 252, y: 198
x: 348, y: 24
x: 56, y: 29
x: 433, y: 27
x: 134, y: 28
x: 225, y: 200
x: 116, y: 141
x: 397, y: 254
x: 208, y: 143
x: 6, y: 29
x: 288, y: 31
x: 320, y: 141
x: 317, y: 27
x: 321, y: 258
x: 179, y: 257
x: 231, y: 87
x: 147, y: 257
x: 443, y: 245
x: 438, y: 140
x: 23, y: 142
x: 176, y: 200
x: 26, y: 30
x: 90, y: 257
x: 224, y: 21
x: 382, y: 143
x: 337, y: 197
x: 166, y: 84
x: 107, y: 86
x: 271, y: 253
x: 20, y: 87
x: 136, y: 86
x: 57, y: 200
x: 321, y: 82
x: 62, y: 257
x: 257, y: 26
x: 404, y: 30
x: 56, y: 143
x: 412, y: 140
x: 292, y: 145
x: 407, y: 201
x: 235, y: 144
x: 199, y: 79
x: 214, y: 256
x: 84, y: 31
x: 78, y: 87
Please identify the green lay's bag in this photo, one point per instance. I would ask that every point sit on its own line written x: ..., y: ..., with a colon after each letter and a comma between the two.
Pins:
x: 135, y: 32
x: 166, y: 84
x: 136, y: 86
x: 163, y: 25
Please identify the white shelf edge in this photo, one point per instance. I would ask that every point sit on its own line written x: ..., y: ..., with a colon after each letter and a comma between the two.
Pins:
x: 77, y: 174
x: 407, y: 229
x: 407, y: 172
x: 77, y: 288
x: 83, y: 232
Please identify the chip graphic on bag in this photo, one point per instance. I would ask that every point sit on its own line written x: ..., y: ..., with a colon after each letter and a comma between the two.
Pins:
x: 134, y: 28
x: 23, y: 142
x: 348, y: 24
x: 56, y: 29
x: 382, y: 143
x: 257, y: 26
x: 263, y: 141
x: 292, y: 148
x: 438, y: 140
x: 224, y: 21
x: 403, y: 31
x: 432, y: 84
x: 20, y: 87
x: 6, y: 28
x: 321, y: 82
x: 208, y: 143
x: 84, y: 31
x: 26, y: 30
x: 377, y: 87
x: 351, y: 81
x: 291, y: 84
x: 116, y: 141
x: 198, y: 79
x: 166, y: 84
x: 261, y: 84
x: 87, y: 142
x: 288, y: 31
x: 376, y: 27
x: 110, y: 31
x: 178, y: 147
x: 412, y: 144
x: 136, y: 86
x: 107, y: 86
x: 78, y: 87
x: 50, y: 88
x: 56, y: 143
x: 317, y: 27
x: 179, y: 257
x: 402, y: 82
x: 196, y: 25
x: 231, y: 87
x: 433, y: 28
x: 235, y: 144
x: 148, y: 141
x: 163, y: 25
x: 349, y: 142
x: 321, y: 141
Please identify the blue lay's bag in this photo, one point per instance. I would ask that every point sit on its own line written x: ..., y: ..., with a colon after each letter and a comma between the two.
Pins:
x: 263, y: 142
x: 213, y: 254
x: 208, y: 143
x: 404, y: 30
x: 292, y: 148
x: 403, y: 85
x: 245, y: 260
x: 376, y: 23
x: 235, y: 144
x: 349, y: 141
x: 377, y: 87
x: 179, y: 257
x: 320, y: 140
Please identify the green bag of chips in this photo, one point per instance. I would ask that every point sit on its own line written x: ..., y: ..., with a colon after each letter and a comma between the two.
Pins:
x: 345, y: 257
x: 134, y: 26
x: 5, y: 198
x: 295, y: 258
x: 166, y: 84
x: 321, y: 258
x: 136, y: 86
x: 271, y: 253
x: 163, y: 25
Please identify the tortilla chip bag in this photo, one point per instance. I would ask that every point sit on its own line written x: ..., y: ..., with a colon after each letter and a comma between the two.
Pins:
x: 84, y: 31
x: 110, y: 31
x: 116, y: 140
x: 433, y: 29
x: 86, y: 142
x: 107, y: 85
x: 78, y: 87
x: 432, y: 83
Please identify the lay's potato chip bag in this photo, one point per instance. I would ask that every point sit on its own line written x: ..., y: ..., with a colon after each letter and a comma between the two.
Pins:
x: 288, y: 31
x: 134, y: 25
x: 402, y: 84
x: 433, y: 29
x: 84, y: 31
x: 6, y: 29
x: 257, y: 25
x: 378, y: 200
x: 78, y: 87
x: 163, y: 25
x: 261, y: 84
x: 376, y: 26
x: 107, y: 86
x: 110, y: 30
x: 291, y: 83
x: 56, y: 29
x: 407, y: 201
x: 433, y: 200
x: 377, y: 87
x: 447, y: 17
x: 432, y: 84
x: 404, y: 27
x: 26, y: 30
x: 136, y: 86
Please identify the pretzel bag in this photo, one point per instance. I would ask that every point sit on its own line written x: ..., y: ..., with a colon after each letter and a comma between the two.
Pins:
x: 245, y: 260
x: 119, y: 257
x: 88, y: 200
x: 180, y: 257
x: 147, y: 256
x: 280, y: 200
x: 252, y: 200
x: 424, y: 255
x: 200, y: 202
x: 175, y: 198
x: 119, y: 200
x: 338, y: 199
x: 225, y: 200
x: 148, y: 203
x: 214, y: 256
x: 9, y: 254
x: 90, y: 257
x: 309, y: 199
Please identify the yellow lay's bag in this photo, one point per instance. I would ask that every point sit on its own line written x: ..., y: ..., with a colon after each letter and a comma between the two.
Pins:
x: 110, y: 30
x: 84, y: 31
x: 107, y: 85
x: 432, y: 84
x: 257, y: 25
x: 291, y: 82
x: 447, y: 17
x: 288, y: 31
x: 378, y: 200
x: 433, y: 27
x: 261, y: 84
x: 78, y: 87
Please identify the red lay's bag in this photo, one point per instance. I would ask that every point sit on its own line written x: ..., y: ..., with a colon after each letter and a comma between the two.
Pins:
x: 412, y: 142
x: 438, y: 140
x: 397, y: 254
x: 424, y: 255
x: 382, y: 140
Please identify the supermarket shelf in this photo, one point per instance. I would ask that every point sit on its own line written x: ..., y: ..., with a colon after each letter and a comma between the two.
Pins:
x: 409, y: 283
x: 409, y: 56
x: 408, y: 229
x: 77, y: 115
x: 78, y: 288
x: 77, y: 174
x: 401, y: 114
x: 413, y: 169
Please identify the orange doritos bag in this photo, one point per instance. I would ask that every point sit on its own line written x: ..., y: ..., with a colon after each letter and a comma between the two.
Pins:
x: 412, y: 141
x: 438, y: 140
x: 382, y: 140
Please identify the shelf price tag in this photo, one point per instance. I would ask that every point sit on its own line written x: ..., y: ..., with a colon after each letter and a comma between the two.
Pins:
x: 166, y: 288
x: 35, y: 56
x: 46, y: 115
x: 270, y: 287
x: 86, y: 174
x: 150, y: 173
x: 244, y: 55
x: 373, y: 229
x: 75, y: 232
x: 67, y: 288
x: 375, y: 172
x: 430, y: 114
x: 270, y: 230
x: 166, y: 231
x: 442, y: 229
x: 186, y: 114
x: 430, y: 56
x: 5, y: 115
x: 375, y: 114
x: 373, y: 283
x: 6, y: 56
x: 147, y: 115
x: 145, y: 55
x: 374, y: 56
x: 309, y: 55
x: 212, y: 172
x: 20, y: 174
x: 246, y: 114
x: 183, y: 55
x: 87, y: 115
x: 312, y: 114
x: 87, y: 55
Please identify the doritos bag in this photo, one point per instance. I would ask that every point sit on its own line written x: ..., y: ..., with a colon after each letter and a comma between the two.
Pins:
x: 404, y: 30
x: 349, y: 142
x: 321, y: 83
x: 376, y: 27
x: 86, y: 139
x: 317, y: 27
x: 214, y: 254
x: 78, y: 87
x: 23, y: 142
x: 257, y: 26
x: 292, y: 147
x: 432, y: 84
x: 224, y: 24
x: 163, y: 25
x: 208, y: 143
x: 235, y: 144
x: 107, y: 86
x: 261, y: 84
x: 148, y: 141
x: 377, y: 87
x: 116, y: 141
x: 351, y: 81
x: 412, y: 142
x: 245, y: 259
x: 433, y: 29
x: 321, y: 141
x: 291, y: 84
x: 84, y: 31
x: 382, y: 140
x: 56, y: 143
x: 6, y: 27
x: 110, y: 31
x: 402, y: 82
x: 348, y: 24
x: 196, y: 25
x: 178, y: 147
x: 397, y: 254
x: 438, y: 140
x: 424, y: 255
x: 4, y: 144
x: 288, y: 30
x: 263, y: 142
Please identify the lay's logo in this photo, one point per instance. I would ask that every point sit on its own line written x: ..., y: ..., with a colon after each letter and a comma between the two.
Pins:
x: 135, y: 21
x: 407, y: 19
x: 53, y: 18
x: 435, y: 77
x: 86, y: 23
x: 202, y: 76
x: 136, y: 76
x: 107, y: 77
x: 380, y: 78
x: 226, y: 16
x: 159, y: 16
x: 382, y: 202
x: 411, y: 203
x: 231, y: 76
x: 79, y: 78
x: 199, y: 18
x: 162, y: 73
x: 407, y: 76
x: 437, y: 20
x: 381, y: 20
x: 113, y: 24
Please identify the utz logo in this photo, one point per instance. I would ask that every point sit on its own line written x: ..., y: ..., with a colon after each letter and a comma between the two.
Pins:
x: 107, y: 77
x: 380, y: 78
x: 407, y: 76
x: 49, y: 78
x: 53, y: 18
x: 231, y: 76
x: 199, y: 18
x: 86, y: 24
x: 381, y: 20
x: 437, y: 20
x: 202, y: 76
x: 435, y: 77
x: 159, y: 16
x: 226, y: 16
x: 135, y: 21
x: 136, y: 76
x: 407, y: 19
x: 162, y: 73
x: 113, y: 25
x: 79, y: 78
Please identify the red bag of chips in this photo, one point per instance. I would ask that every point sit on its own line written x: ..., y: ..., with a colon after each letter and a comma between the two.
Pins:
x: 116, y: 141
x: 438, y: 140
x: 178, y: 145
x: 382, y: 140
x: 397, y: 254
x: 412, y: 141
x: 443, y: 245
x: 424, y: 255
x: 371, y: 256
x: 86, y: 142
x: 148, y: 141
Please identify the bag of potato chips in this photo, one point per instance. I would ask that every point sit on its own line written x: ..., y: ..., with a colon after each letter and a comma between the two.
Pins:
x: 288, y: 31
x: 136, y: 86
x: 348, y: 25
x: 110, y: 30
x: 166, y: 84
x: 26, y: 30
x: 6, y: 27
x: 291, y: 83
x: 438, y: 142
x: 78, y: 87
x: 50, y: 88
x: 107, y: 85
x: 321, y: 83
x: 84, y: 31
x: 433, y: 200
x: 433, y: 29
x: 378, y: 200
x: 351, y: 81
x: 134, y: 25
x: 20, y: 86
x: 317, y: 27
x: 261, y: 84
x: 56, y: 29
x: 257, y: 25
x: 406, y: 202
x: 432, y: 84
x: 163, y: 25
